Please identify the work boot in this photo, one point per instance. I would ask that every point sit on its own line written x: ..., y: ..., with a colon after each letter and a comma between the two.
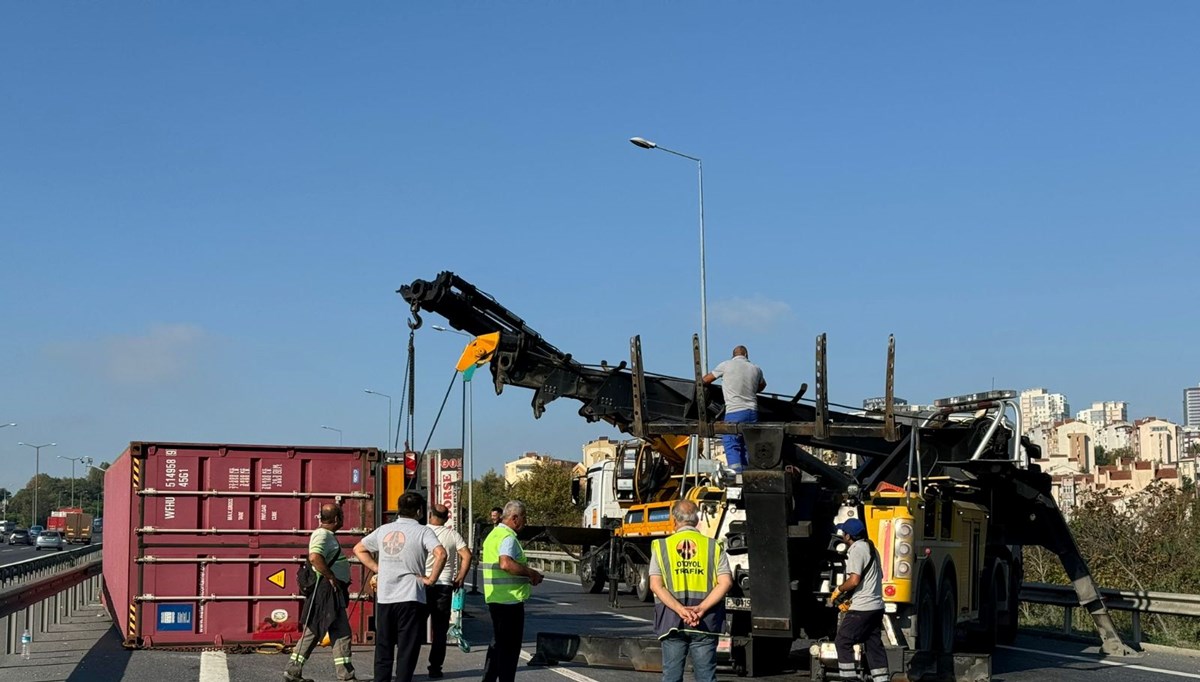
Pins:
x: 294, y: 675
x: 435, y: 673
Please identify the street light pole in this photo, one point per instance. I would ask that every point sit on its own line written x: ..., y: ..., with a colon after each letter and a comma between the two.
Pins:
x: 647, y: 144
x: 85, y: 460
x: 387, y: 446
x: 37, y: 471
x: 339, y: 432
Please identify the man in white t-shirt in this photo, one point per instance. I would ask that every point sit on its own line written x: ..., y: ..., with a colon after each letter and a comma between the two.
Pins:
x: 440, y: 595
x: 402, y: 547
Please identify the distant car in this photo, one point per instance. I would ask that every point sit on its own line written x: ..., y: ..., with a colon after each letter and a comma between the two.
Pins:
x: 20, y: 536
x: 36, y: 530
x: 50, y: 539
x: 7, y: 527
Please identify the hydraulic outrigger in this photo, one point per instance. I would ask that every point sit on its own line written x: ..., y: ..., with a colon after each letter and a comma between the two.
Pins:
x: 792, y: 499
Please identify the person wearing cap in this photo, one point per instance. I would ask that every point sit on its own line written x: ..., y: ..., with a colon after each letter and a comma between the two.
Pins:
x: 439, y: 596
x: 863, y: 622
x: 741, y: 382
x: 689, y: 576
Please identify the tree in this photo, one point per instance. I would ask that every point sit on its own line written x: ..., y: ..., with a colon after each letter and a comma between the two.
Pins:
x: 490, y: 490
x: 1103, y: 457
x: 546, y: 493
x: 1125, y: 453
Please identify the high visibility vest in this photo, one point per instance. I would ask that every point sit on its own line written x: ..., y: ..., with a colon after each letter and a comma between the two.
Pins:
x: 500, y: 586
x: 688, y: 562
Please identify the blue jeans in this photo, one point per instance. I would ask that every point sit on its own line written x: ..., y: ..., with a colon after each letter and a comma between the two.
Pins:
x: 675, y: 649
x: 735, y: 445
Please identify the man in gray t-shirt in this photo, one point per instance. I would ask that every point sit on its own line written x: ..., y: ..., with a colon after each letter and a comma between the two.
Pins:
x: 401, y: 547
x: 862, y: 624
x: 741, y: 382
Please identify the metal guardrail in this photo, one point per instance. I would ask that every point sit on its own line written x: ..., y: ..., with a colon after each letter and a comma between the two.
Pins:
x: 1135, y: 603
x: 554, y: 562
x: 41, y: 566
x: 39, y: 592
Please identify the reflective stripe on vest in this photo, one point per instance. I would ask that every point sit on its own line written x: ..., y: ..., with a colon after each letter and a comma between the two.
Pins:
x: 500, y: 586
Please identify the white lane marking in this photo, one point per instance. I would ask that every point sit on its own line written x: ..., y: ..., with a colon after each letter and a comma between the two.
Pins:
x: 214, y: 667
x: 569, y: 674
x: 626, y: 616
x: 1102, y: 661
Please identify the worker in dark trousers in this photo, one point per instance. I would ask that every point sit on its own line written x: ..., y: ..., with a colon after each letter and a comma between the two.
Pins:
x: 507, y: 580
x: 862, y: 623
x: 402, y: 547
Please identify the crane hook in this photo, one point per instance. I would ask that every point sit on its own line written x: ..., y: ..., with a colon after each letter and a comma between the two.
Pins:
x: 415, y: 323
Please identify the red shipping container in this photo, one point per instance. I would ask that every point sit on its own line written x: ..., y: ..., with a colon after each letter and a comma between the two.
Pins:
x: 202, y: 541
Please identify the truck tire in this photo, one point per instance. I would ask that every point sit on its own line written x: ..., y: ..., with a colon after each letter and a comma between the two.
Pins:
x: 947, y: 614
x: 927, y: 630
x: 642, y: 586
x: 592, y: 577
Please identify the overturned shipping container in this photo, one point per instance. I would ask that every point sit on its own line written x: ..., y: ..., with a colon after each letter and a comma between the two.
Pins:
x: 202, y: 541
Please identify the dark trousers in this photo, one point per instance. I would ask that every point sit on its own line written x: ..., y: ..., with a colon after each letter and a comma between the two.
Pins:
x: 398, y: 630
x: 438, y: 600
x: 508, y: 631
x: 862, y: 627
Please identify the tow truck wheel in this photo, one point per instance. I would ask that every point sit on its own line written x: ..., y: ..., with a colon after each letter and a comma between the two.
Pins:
x: 947, y: 615
x: 591, y: 577
x: 642, y: 585
x: 926, y: 617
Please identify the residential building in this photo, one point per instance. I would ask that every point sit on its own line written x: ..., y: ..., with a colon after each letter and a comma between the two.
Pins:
x: 1068, y: 445
x: 1158, y: 440
x: 1039, y: 406
x: 1103, y: 414
x: 1113, y: 436
x: 1191, y: 442
x: 1191, y: 406
x: 600, y: 450
x: 524, y: 465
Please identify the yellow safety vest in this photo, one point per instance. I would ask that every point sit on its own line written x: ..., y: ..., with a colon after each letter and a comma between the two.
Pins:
x: 688, y: 563
x: 500, y: 586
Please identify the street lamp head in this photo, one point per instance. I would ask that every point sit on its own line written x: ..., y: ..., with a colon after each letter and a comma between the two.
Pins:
x: 8, y: 424
x: 642, y: 142
x: 439, y: 328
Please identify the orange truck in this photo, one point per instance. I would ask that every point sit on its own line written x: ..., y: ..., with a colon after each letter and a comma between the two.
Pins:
x: 73, y: 523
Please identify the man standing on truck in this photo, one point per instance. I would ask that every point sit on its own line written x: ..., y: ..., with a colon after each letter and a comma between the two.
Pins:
x: 689, y: 575
x: 402, y: 576
x: 741, y: 382
x: 507, y: 580
x: 325, y: 607
x: 863, y: 622
x: 439, y: 596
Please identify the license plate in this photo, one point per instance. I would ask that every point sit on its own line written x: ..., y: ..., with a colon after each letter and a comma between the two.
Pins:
x: 737, y: 603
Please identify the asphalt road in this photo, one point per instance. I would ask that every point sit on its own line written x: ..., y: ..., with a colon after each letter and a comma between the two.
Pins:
x: 91, y: 652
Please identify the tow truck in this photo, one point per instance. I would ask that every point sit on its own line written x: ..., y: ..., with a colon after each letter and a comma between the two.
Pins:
x: 949, y: 496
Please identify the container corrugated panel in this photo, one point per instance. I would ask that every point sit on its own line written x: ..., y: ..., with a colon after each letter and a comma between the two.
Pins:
x: 202, y: 541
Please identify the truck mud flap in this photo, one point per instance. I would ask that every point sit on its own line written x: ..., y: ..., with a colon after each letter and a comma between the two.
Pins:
x: 627, y: 653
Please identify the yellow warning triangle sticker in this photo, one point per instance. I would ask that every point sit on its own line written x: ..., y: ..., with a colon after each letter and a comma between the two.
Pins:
x: 278, y: 578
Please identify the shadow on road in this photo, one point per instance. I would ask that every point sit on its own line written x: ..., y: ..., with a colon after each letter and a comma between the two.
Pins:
x: 106, y: 661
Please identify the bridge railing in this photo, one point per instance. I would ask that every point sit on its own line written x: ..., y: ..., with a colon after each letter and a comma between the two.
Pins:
x: 38, y: 593
x: 1135, y: 603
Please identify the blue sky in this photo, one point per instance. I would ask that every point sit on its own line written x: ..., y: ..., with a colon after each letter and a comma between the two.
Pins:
x: 206, y: 207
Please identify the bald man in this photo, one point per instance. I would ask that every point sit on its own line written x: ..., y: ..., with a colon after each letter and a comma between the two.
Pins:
x: 741, y: 382
x: 325, y: 608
